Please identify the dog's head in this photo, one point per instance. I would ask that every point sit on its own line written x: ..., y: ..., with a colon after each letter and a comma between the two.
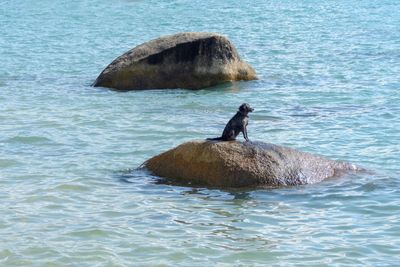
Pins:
x: 245, y: 108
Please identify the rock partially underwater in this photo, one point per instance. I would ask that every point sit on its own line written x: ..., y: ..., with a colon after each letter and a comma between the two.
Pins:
x: 243, y: 164
x: 190, y: 60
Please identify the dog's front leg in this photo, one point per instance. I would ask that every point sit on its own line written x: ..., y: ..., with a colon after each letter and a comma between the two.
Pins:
x: 245, y: 133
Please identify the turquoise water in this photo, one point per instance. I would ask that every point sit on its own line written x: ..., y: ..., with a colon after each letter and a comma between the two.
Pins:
x: 329, y: 84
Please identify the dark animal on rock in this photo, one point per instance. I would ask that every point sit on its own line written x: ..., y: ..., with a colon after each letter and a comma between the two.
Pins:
x: 236, y: 125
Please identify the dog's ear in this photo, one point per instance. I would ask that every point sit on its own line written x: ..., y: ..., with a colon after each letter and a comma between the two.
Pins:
x: 243, y: 107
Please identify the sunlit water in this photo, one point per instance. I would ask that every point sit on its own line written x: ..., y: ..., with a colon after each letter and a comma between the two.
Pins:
x: 329, y: 84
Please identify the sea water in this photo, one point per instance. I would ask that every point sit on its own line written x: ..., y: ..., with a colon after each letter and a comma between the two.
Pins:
x: 329, y: 84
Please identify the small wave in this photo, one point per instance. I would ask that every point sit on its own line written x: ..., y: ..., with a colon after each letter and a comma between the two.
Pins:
x: 6, y: 163
x: 29, y: 139
x: 90, y: 233
x: 72, y: 187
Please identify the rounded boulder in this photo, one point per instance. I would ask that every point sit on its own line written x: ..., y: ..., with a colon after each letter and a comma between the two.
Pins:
x: 243, y: 164
x: 190, y: 60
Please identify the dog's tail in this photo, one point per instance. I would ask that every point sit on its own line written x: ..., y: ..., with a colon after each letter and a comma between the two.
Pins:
x: 214, y: 139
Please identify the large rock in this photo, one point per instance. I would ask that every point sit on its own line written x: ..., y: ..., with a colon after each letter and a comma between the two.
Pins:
x: 237, y: 164
x: 184, y: 60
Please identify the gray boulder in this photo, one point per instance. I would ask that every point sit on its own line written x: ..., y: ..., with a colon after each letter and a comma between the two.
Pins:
x: 242, y: 164
x: 190, y: 60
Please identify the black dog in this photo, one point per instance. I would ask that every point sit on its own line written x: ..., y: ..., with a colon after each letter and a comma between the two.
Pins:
x: 237, y: 124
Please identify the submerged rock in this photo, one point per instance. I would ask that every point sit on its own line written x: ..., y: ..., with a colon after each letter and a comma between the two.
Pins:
x: 190, y: 60
x: 241, y: 164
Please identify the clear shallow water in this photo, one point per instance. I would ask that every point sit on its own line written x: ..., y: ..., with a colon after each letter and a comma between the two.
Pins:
x: 328, y: 84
